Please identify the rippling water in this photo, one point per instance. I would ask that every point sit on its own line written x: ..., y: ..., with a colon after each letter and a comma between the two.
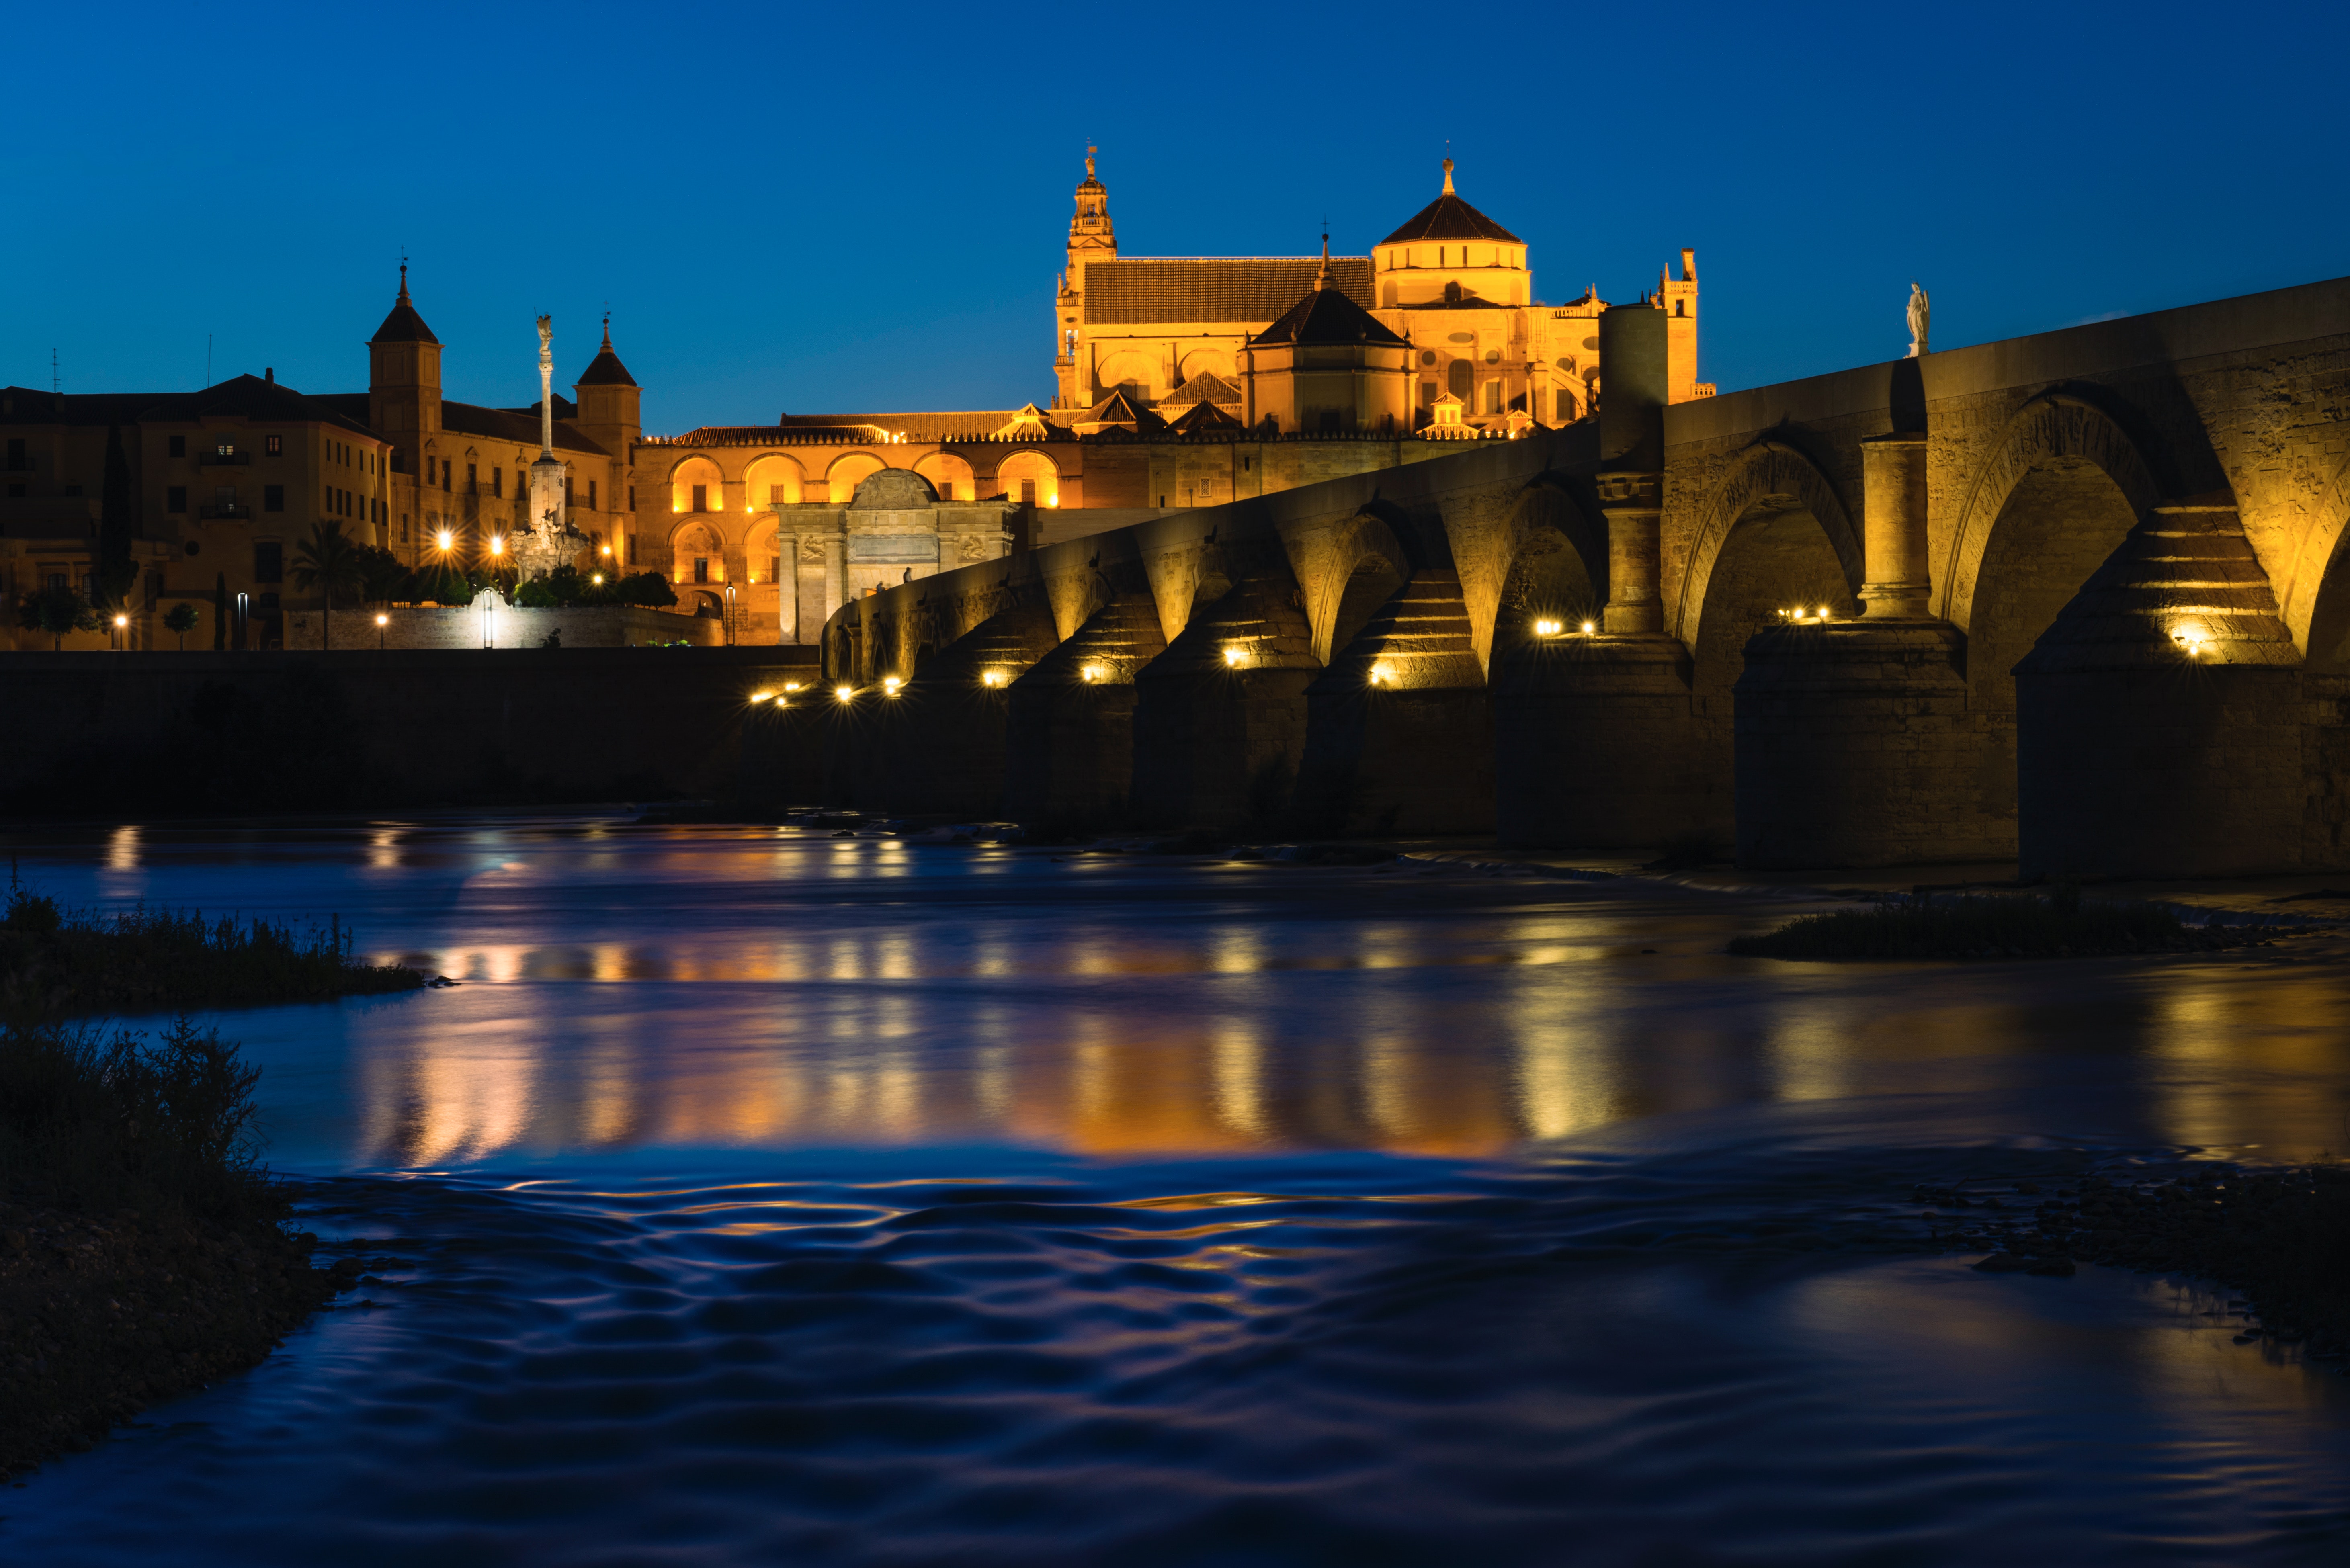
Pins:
x: 763, y: 1196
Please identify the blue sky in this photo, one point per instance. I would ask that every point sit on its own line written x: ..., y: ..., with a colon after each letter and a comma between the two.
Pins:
x: 847, y: 209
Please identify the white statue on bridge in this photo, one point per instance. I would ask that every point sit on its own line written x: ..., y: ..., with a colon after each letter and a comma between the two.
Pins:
x: 1918, y: 315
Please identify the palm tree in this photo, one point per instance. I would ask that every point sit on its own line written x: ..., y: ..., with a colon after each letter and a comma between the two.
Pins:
x: 327, y: 563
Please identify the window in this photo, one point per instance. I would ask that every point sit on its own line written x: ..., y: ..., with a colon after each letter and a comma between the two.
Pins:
x: 1565, y: 407
x: 70, y: 490
x: 632, y: 498
x: 1492, y: 397
x: 632, y: 549
x: 175, y: 498
x: 224, y: 448
x: 775, y: 495
x: 274, y: 445
x: 702, y: 569
x: 1456, y: 376
x: 497, y: 482
x: 775, y: 569
x: 330, y: 498
x: 472, y: 479
x: 444, y: 473
x: 269, y: 563
x: 702, y: 498
x: 591, y: 495
x: 566, y: 490
x: 403, y: 527
x: 225, y: 499
x: 179, y: 449
x: 1427, y: 394
x: 273, y: 497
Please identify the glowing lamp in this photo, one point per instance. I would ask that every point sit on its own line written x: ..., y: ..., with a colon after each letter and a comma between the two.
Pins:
x: 889, y: 684
x: 791, y: 686
x: 1588, y: 628
x: 2192, y: 638
x: 383, y: 620
x: 598, y: 579
x: 992, y: 678
x: 1823, y: 612
x: 1091, y: 672
x: 760, y: 696
x: 497, y: 546
x: 121, y: 620
x: 1235, y: 657
x: 444, y: 539
x: 1382, y: 676
x: 1547, y: 628
x: 844, y: 692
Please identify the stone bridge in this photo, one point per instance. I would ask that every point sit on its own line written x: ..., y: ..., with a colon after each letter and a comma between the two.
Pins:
x: 2077, y: 597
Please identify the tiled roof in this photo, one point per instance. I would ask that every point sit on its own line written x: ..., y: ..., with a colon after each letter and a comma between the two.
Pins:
x: 606, y: 369
x: 239, y: 397
x: 1450, y: 218
x: 1202, y: 418
x: 1245, y: 289
x: 403, y: 324
x: 502, y: 424
x: 1208, y: 388
x: 1326, y: 316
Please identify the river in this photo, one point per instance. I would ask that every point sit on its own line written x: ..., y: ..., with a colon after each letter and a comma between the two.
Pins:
x: 763, y: 1196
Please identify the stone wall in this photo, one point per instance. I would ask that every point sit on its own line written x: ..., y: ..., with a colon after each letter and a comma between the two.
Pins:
x: 490, y: 622
x: 218, y: 732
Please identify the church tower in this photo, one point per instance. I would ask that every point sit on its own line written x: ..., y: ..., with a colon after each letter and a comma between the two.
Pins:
x: 1677, y: 297
x: 404, y: 381
x: 1091, y: 238
x: 608, y: 398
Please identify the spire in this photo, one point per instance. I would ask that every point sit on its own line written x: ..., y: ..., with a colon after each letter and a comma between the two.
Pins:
x: 1322, y: 279
x: 403, y: 324
x: 1448, y: 176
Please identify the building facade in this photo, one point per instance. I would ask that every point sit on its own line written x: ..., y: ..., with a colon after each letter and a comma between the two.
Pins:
x: 1179, y: 382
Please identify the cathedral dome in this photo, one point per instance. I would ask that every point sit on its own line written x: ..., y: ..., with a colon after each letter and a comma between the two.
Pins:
x: 1451, y: 256
x: 1450, y: 218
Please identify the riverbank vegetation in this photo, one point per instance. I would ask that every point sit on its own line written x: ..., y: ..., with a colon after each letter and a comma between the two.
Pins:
x: 58, y: 963
x: 2061, y: 924
x: 144, y: 1251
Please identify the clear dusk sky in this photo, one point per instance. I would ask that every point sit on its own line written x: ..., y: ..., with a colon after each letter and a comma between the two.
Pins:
x: 861, y: 208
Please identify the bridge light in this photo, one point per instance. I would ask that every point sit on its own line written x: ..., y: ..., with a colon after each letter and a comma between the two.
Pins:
x: 1382, y: 676
x: 497, y: 546
x: 1589, y: 629
x: 844, y: 692
x: 442, y: 538
x: 1091, y: 672
x: 889, y: 684
x: 2191, y: 637
x: 1823, y: 612
x: 759, y: 696
x: 791, y: 686
x: 992, y: 678
x: 1235, y: 657
x: 1547, y: 628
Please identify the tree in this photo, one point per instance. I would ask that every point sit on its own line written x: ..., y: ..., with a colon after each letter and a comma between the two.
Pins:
x: 381, y: 575
x: 56, y: 611
x: 180, y: 617
x: 645, y: 589
x: 327, y: 563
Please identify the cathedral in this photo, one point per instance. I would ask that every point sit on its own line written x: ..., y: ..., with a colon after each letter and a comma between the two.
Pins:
x: 1178, y: 382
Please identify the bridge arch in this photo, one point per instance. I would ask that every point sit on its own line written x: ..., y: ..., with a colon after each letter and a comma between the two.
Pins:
x: 1364, y: 562
x: 2058, y: 429
x: 2315, y: 604
x: 1552, y: 565
x: 1770, y: 478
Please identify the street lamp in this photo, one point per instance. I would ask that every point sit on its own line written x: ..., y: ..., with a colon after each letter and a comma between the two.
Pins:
x: 381, y: 621
x: 121, y: 626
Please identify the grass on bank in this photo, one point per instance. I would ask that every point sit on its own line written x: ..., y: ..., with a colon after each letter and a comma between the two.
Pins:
x: 56, y: 963
x: 2018, y: 925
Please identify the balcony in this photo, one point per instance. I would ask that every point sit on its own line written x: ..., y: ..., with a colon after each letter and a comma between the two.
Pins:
x: 216, y: 459
x: 226, y: 511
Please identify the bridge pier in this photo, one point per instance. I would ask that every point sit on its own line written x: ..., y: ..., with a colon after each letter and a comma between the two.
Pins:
x: 1399, y: 729
x: 1069, y: 732
x: 1856, y: 747
x: 1220, y: 717
x: 937, y: 747
x: 2159, y: 721
x: 1595, y: 745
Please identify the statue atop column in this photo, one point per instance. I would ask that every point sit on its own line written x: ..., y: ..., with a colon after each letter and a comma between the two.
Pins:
x: 1918, y: 321
x: 546, y: 539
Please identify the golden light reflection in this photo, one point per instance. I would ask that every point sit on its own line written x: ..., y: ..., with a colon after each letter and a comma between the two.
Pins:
x: 122, y: 846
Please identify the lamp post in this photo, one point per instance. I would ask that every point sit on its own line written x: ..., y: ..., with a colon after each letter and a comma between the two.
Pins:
x: 244, y: 605
x: 730, y: 615
x: 381, y: 621
x: 122, y: 633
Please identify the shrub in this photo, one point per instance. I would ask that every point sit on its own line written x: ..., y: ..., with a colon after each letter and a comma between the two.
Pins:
x: 536, y: 594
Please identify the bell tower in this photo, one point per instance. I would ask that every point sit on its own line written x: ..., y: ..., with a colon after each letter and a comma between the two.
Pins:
x: 1091, y: 238
x: 404, y: 379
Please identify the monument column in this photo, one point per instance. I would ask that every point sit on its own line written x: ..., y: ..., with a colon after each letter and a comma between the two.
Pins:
x: 1893, y: 527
